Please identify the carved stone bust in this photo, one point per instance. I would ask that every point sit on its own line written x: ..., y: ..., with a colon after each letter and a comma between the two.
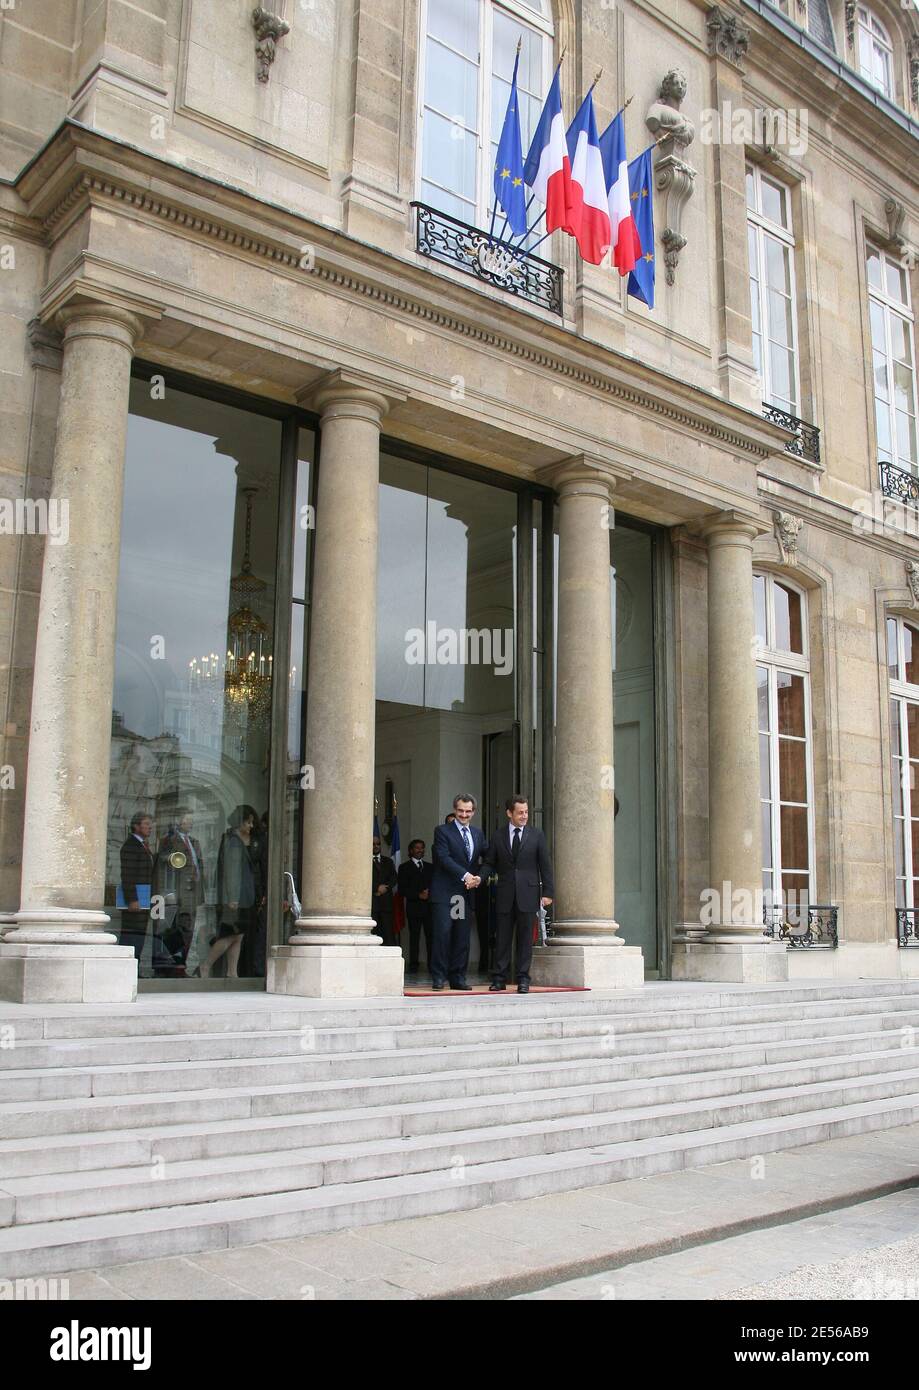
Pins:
x: 664, y: 117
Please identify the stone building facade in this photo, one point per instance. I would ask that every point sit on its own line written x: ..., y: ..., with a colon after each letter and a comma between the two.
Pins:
x: 286, y: 420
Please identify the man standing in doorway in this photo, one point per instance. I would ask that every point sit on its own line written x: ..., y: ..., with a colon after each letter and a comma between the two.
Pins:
x: 519, y: 853
x: 384, y: 885
x: 456, y: 851
x: 414, y: 880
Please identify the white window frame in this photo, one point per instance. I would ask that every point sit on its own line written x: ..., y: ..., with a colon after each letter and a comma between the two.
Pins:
x: 870, y: 30
x: 903, y: 694
x: 889, y: 305
x: 763, y: 227
x: 540, y: 24
x: 776, y: 660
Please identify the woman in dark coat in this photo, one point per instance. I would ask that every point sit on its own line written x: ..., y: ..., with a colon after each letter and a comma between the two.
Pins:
x: 239, y: 891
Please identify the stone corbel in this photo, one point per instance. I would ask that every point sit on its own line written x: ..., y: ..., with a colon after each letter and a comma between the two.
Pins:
x: 912, y: 579
x: 674, y: 176
x: 787, y: 530
x: 728, y: 36
x: 895, y: 213
x: 46, y: 345
x: 268, y: 29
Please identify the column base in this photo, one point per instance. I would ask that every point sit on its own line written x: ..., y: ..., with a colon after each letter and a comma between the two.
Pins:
x: 361, y: 971
x: 588, y: 966
x: 730, y: 962
x: 57, y: 973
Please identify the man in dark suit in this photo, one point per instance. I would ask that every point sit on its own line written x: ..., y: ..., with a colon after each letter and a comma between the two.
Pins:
x: 414, y: 883
x: 456, y: 851
x: 181, y: 885
x: 138, y: 884
x: 384, y: 885
x: 519, y: 853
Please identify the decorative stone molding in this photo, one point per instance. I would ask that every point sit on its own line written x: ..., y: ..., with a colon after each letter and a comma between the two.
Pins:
x: 46, y: 344
x: 851, y: 7
x: 268, y: 29
x: 913, y: 53
x: 787, y: 530
x: 728, y: 36
x: 912, y: 579
x: 91, y: 188
x: 895, y: 213
x: 674, y: 177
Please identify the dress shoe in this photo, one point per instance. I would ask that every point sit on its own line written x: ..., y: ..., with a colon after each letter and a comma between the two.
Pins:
x: 438, y: 985
x: 461, y: 985
x: 523, y: 988
x: 495, y: 988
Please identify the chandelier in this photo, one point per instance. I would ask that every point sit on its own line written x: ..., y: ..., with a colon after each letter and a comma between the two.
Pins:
x: 246, y: 671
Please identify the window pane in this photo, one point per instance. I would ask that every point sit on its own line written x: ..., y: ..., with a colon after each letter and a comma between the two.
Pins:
x: 874, y: 268
x: 892, y: 658
x: 910, y: 654
x: 767, y: 835
x: 400, y: 579
x: 912, y: 736
x: 895, y: 749
x: 447, y: 202
x: 896, y: 785
x: 762, y: 697
x: 781, y: 329
x: 449, y: 156
x: 765, y: 774
x: 452, y: 86
x: 895, y: 277
x: 457, y: 23
x: 751, y: 189
x: 899, y: 340
x: 898, y: 849
x: 775, y: 202
x: 787, y: 607
x: 903, y: 387
x: 302, y: 523
x: 793, y: 825
x: 759, y: 606
x: 914, y: 840
x: 878, y: 331
x: 781, y: 376
x: 778, y: 265
x: 906, y: 438
x: 881, y: 379
x: 882, y: 425
x: 792, y: 770
x: 790, y: 703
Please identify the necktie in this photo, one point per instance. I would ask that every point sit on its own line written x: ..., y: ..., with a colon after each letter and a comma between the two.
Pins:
x: 467, y: 842
x: 515, y: 847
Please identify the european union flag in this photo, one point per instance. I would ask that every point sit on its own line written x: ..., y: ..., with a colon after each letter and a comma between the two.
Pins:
x: 641, y: 191
x: 509, y: 189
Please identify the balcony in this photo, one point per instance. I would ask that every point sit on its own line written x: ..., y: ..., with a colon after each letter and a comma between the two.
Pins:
x: 487, y: 258
x: 897, y: 483
x: 806, y: 443
x: 819, y: 933
x: 907, y: 930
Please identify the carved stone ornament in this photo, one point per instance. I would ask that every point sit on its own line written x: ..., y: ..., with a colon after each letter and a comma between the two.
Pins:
x: 787, y: 530
x: 728, y: 36
x: 268, y: 29
x: 896, y: 215
x: 674, y: 177
x: 912, y: 579
x: 851, y: 7
x: 913, y: 52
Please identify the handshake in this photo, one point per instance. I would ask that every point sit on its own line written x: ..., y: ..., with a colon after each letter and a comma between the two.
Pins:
x: 471, y: 880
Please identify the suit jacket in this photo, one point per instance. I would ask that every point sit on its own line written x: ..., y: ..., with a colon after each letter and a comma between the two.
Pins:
x: 137, y: 866
x: 523, y: 879
x: 450, y: 863
x: 413, y: 881
x: 385, y: 872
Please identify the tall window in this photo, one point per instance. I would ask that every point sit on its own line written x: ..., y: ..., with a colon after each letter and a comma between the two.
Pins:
x: 468, y: 63
x: 903, y: 670
x: 771, y: 245
x: 783, y: 694
x: 875, y: 52
x: 893, y: 360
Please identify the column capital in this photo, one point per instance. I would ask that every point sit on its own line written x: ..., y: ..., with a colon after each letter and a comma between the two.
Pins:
x: 85, y: 311
x: 731, y: 527
x: 345, y: 392
x: 582, y: 475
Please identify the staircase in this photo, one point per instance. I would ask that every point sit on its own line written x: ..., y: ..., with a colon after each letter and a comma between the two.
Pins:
x: 185, y: 1124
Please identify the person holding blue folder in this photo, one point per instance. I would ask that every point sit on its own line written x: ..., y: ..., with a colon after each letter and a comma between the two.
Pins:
x: 138, y: 869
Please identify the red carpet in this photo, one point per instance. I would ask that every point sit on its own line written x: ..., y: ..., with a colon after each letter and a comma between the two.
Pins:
x: 419, y: 992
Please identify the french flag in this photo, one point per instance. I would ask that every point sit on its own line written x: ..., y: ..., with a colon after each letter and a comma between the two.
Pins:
x: 588, y: 214
x: 624, y: 239
x: 548, y: 170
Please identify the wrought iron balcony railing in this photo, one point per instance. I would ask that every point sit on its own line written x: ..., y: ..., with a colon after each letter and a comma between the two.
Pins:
x: 897, y: 483
x: 806, y: 443
x: 489, y: 259
x: 907, y: 927
x: 819, y: 933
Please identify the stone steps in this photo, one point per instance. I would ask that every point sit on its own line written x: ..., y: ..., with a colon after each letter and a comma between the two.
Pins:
x: 81, y: 1242
x: 231, y: 1122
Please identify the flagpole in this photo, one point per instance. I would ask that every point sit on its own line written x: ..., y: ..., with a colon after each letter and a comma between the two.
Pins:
x: 529, y: 231
x: 494, y: 210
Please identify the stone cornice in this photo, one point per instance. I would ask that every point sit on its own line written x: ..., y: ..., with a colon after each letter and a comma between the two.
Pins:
x: 80, y: 168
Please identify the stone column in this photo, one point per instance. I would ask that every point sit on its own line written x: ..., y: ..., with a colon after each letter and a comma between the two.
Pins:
x: 586, y: 950
x: 334, y: 952
x: 61, y: 948
x: 735, y: 948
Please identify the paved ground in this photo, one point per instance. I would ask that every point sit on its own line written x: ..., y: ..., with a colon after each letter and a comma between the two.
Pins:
x: 677, y: 1235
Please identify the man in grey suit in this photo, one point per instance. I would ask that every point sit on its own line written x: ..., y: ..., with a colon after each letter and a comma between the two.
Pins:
x: 519, y: 853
